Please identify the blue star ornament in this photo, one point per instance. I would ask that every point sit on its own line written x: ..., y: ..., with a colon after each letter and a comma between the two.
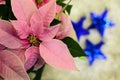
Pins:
x: 100, y: 22
x: 93, y: 51
x: 78, y: 27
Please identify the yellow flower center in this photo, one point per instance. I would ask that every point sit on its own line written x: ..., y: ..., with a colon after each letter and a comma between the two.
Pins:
x: 32, y: 39
x: 40, y: 1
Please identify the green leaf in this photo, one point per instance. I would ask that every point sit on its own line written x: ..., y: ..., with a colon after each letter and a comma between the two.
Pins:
x: 74, y: 47
x: 55, y: 22
x: 68, y: 8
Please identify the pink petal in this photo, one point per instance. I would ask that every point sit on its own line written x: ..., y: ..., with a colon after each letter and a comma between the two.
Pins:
x: 11, y: 67
x: 39, y: 63
x: 41, y: 4
x: 23, y: 9
x: 9, y: 40
x: 56, y: 54
x: 45, y: 1
x: 2, y: 47
x: 32, y: 55
x: 46, y: 13
x: 49, y: 33
x: 36, y: 27
x: 20, y: 53
x: 2, y: 1
x: 25, y: 43
x: 65, y: 27
x: 22, y: 28
x: 7, y: 26
x: 58, y: 8
x: 8, y: 35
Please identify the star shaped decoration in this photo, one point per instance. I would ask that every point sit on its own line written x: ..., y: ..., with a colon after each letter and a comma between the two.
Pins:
x: 78, y: 27
x: 100, y: 22
x: 93, y: 51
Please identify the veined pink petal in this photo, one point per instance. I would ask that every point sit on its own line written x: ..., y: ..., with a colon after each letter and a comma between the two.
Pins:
x: 23, y: 9
x: 56, y: 54
x: 2, y: 47
x: 9, y: 40
x: 46, y: 13
x: 8, y: 35
x: 65, y: 27
x: 36, y: 27
x: 39, y: 63
x: 22, y: 28
x: 49, y: 33
x: 32, y: 54
x: 7, y: 26
x: 20, y: 53
x: 11, y: 67
x: 25, y: 43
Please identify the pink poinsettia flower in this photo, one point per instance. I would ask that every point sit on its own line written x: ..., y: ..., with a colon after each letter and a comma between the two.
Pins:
x: 34, y: 31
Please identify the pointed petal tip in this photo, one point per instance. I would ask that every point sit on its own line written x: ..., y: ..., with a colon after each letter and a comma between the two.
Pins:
x: 74, y: 68
x: 23, y: 9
